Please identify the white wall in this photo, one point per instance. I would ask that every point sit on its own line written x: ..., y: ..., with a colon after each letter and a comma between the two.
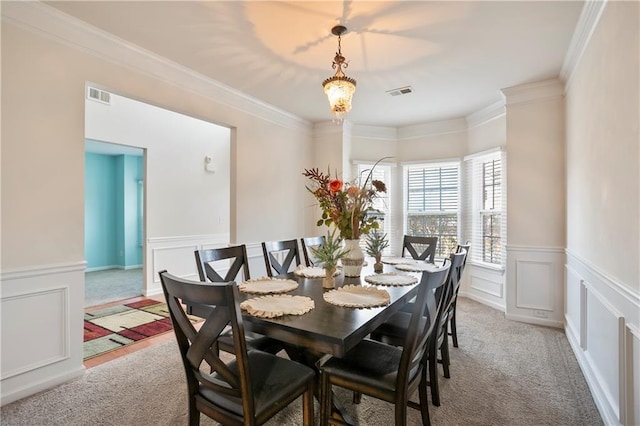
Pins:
x: 535, y: 202
x: 603, y: 214
x: 47, y: 60
x: 176, y: 146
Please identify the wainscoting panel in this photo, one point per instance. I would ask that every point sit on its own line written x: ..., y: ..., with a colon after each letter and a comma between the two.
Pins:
x: 484, y: 285
x: 604, y: 345
x: 632, y: 376
x: 41, y: 321
x: 176, y: 255
x: 33, y: 348
x: 573, y: 311
x: 607, y: 341
x: 534, y: 281
x: 535, y: 285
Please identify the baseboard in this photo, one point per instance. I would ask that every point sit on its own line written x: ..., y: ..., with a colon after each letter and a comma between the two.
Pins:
x: 478, y: 299
x: 536, y: 321
x: 33, y: 388
x: 105, y: 268
x: 608, y: 416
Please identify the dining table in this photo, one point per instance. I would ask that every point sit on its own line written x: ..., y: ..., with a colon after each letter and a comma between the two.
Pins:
x: 328, y: 329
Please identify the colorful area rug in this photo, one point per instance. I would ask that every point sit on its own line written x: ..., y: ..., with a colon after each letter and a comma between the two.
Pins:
x: 112, y: 328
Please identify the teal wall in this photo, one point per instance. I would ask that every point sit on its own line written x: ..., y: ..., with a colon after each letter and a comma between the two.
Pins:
x: 112, y: 211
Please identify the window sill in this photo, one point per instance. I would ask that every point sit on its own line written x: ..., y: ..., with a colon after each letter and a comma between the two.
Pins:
x: 487, y: 266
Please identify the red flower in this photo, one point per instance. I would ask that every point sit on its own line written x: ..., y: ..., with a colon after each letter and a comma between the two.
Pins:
x: 335, y: 186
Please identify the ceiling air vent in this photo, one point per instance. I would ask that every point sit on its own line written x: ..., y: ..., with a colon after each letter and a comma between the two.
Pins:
x: 98, y: 95
x: 401, y: 91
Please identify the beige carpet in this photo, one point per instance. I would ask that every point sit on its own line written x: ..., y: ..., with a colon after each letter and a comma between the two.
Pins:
x: 503, y: 373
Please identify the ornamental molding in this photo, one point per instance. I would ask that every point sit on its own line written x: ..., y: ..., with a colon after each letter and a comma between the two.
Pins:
x: 486, y: 114
x: 61, y: 28
x: 533, y: 92
x: 455, y: 125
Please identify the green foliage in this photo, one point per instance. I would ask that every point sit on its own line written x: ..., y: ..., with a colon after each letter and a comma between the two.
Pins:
x: 330, y: 252
x: 376, y: 243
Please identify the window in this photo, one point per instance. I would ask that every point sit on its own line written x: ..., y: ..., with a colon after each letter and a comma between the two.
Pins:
x: 382, y: 172
x: 432, y: 205
x: 486, y: 200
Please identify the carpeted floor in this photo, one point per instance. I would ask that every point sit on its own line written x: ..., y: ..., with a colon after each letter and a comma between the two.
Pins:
x: 117, y: 326
x: 504, y: 373
x: 110, y: 285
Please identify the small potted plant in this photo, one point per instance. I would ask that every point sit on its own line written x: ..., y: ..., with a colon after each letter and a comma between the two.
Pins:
x: 328, y: 254
x: 376, y: 243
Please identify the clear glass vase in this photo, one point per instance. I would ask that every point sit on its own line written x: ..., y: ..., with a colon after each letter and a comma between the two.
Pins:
x: 353, y: 261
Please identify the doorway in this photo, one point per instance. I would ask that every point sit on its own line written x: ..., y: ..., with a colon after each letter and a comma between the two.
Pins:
x: 114, y: 217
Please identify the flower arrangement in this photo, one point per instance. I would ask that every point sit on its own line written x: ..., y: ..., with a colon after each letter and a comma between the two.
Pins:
x: 345, y: 204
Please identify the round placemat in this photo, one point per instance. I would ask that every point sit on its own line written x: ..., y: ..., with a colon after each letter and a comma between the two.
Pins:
x: 277, y: 305
x: 396, y: 260
x: 266, y: 285
x: 312, y: 272
x: 355, y: 296
x: 417, y: 267
x: 391, y: 278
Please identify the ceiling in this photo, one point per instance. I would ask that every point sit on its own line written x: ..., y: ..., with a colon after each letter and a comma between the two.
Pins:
x: 456, y: 55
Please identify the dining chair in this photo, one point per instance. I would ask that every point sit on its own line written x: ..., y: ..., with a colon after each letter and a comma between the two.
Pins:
x: 236, y: 259
x: 279, y: 256
x: 420, y: 248
x: 307, y: 244
x: 387, y: 372
x: 453, y: 332
x: 248, y: 390
x: 395, y: 329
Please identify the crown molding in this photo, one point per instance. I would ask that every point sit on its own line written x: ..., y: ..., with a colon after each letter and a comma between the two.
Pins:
x: 455, y: 125
x: 375, y: 132
x: 587, y: 23
x: 532, y: 92
x: 486, y: 114
x: 59, y: 27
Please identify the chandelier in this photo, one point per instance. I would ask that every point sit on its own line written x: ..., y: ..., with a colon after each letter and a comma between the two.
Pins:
x: 339, y: 88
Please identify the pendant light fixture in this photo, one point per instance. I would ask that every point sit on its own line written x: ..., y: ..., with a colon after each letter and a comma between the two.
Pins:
x: 339, y: 88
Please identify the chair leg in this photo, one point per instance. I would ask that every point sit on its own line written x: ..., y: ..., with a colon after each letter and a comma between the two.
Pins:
x: 424, y: 404
x: 444, y: 353
x: 433, y: 377
x: 325, y: 399
x: 357, y: 397
x: 454, y: 330
x: 307, y: 405
x: 194, y: 414
x: 401, y: 413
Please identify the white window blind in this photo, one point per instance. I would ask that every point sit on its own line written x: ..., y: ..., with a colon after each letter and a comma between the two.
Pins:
x: 432, y: 203
x: 485, y: 218
x: 381, y: 172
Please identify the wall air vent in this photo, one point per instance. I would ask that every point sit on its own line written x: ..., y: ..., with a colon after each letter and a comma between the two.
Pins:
x: 98, y: 95
x: 401, y: 91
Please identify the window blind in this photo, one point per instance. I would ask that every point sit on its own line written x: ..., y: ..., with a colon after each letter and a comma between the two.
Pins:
x: 382, y: 172
x: 485, y: 212
x: 432, y: 203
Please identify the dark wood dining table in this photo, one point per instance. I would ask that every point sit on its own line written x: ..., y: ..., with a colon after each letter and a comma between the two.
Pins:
x: 330, y: 329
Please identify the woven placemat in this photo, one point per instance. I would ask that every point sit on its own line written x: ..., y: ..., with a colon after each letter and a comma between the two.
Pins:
x: 273, y: 306
x: 417, y: 267
x: 266, y: 285
x: 396, y: 260
x: 355, y: 296
x: 391, y: 278
x: 312, y: 272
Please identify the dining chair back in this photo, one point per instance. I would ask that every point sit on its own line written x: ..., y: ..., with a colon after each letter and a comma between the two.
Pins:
x: 237, y: 261
x: 453, y: 326
x: 388, y: 372
x: 420, y: 248
x: 248, y: 390
x: 236, y: 255
x: 307, y: 244
x: 279, y: 256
